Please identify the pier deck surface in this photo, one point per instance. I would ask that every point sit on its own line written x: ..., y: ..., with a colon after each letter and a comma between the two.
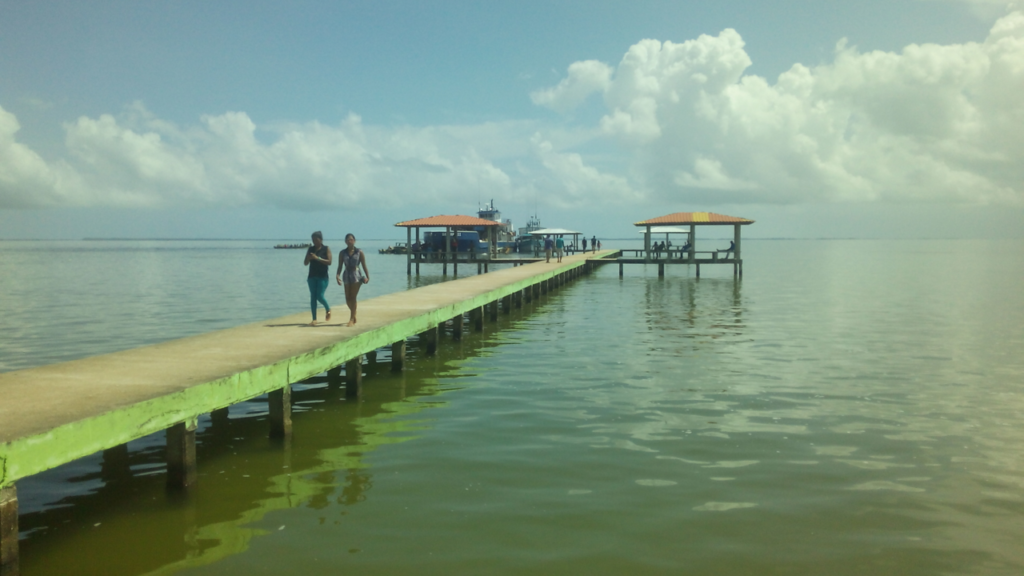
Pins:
x: 54, y: 414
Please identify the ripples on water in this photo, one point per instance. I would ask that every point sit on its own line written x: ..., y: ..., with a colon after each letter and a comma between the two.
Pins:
x: 848, y: 408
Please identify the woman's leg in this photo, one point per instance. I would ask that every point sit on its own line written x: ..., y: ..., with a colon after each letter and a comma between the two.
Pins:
x: 351, y: 291
x: 321, y: 290
x: 313, y: 287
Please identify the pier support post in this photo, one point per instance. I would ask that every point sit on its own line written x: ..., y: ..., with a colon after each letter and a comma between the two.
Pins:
x: 519, y: 298
x: 479, y: 268
x: 506, y: 304
x: 429, y: 337
x: 398, y: 356
x: 181, y: 455
x: 620, y: 269
x: 476, y: 316
x: 661, y: 269
x: 698, y: 270
x: 9, y: 531
x: 543, y: 286
x: 219, y: 417
x: 114, y: 465
x: 371, y: 357
x: 528, y: 294
x: 354, y: 377
x: 457, y: 328
x: 492, y: 311
x: 280, y: 404
x: 334, y: 377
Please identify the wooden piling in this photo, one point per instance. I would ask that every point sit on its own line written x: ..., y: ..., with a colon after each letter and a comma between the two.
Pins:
x: 506, y: 304
x: 661, y: 269
x: 519, y: 298
x: 354, y: 377
x: 457, y: 328
x: 398, y: 356
x: 280, y: 403
x: 181, y: 455
x: 476, y: 317
x: 9, y: 531
x: 492, y: 311
x: 429, y: 337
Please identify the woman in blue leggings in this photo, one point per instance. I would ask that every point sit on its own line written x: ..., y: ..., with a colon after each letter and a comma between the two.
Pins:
x: 318, y: 258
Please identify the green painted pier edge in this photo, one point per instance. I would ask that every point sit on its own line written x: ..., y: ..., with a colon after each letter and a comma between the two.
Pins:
x: 22, y: 455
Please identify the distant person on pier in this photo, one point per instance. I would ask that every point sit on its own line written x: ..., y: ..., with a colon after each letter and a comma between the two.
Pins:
x: 559, y: 247
x: 548, y: 245
x: 593, y: 243
x: 318, y: 258
x: 349, y: 274
x: 584, y: 245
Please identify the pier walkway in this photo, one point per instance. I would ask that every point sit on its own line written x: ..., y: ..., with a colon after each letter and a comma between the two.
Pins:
x: 55, y: 414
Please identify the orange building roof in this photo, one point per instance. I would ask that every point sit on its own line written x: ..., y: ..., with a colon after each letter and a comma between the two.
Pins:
x: 698, y: 218
x: 448, y: 221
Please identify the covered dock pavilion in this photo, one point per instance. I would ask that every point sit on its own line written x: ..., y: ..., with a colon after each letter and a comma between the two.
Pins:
x: 452, y: 225
x: 688, y: 222
x: 557, y: 232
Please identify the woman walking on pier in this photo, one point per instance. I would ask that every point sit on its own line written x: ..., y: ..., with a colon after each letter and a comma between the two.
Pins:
x: 351, y: 278
x: 318, y: 258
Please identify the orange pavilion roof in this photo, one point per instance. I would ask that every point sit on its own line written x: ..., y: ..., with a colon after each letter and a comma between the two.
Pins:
x: 447, y: 221
x: 698, y: 218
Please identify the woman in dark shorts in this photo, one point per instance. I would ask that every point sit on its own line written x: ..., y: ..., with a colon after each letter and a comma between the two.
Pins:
x: 349, y: 275
x: 318, y: 258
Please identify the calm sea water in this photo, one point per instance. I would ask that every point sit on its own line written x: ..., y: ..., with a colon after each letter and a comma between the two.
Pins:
x: 849, y: 407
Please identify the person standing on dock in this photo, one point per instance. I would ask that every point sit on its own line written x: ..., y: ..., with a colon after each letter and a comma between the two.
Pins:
x: 584, y: 244
x: 548, y: 245
x: 318, y: 258
x: 593, y: 243
x: 559, y: 247
x: 349, y: 274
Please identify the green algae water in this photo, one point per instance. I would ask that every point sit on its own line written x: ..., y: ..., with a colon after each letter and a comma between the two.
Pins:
x: 848, y: 407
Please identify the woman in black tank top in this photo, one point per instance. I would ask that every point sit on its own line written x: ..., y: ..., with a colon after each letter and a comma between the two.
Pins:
x: 318, y: 258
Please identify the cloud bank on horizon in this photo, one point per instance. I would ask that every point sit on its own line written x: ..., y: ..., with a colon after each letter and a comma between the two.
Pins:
x: 931, y: 124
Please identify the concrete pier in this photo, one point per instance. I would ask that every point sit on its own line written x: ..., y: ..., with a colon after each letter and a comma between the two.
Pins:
x: 55, y: 414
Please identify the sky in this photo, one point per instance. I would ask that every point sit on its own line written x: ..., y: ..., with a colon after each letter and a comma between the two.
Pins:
x: 256, y: 119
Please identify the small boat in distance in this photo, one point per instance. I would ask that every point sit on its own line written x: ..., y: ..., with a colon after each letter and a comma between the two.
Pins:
x: 398, y: 248
x: 292, y: 246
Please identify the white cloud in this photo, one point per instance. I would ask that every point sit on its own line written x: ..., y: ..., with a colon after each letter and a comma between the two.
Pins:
x: 584, y: 79
x: 931, y: 123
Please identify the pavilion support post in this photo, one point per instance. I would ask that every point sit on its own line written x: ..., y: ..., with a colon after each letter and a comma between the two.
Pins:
x: 693, y: 246
x: 647, y: 245
x: 181, y: 455
x: 476, y: 316
x: 408, y: 251
x: 506, y: 304
x: 280, y: 403
x: 9, y: 531
x: 354, y: 377
x: 398, y: 356
x: 446, y: 251
x: 420, y: 252
x: 457, y: 328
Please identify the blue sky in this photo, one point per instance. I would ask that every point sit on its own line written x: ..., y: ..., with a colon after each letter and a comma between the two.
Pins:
x: 267, y: 120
